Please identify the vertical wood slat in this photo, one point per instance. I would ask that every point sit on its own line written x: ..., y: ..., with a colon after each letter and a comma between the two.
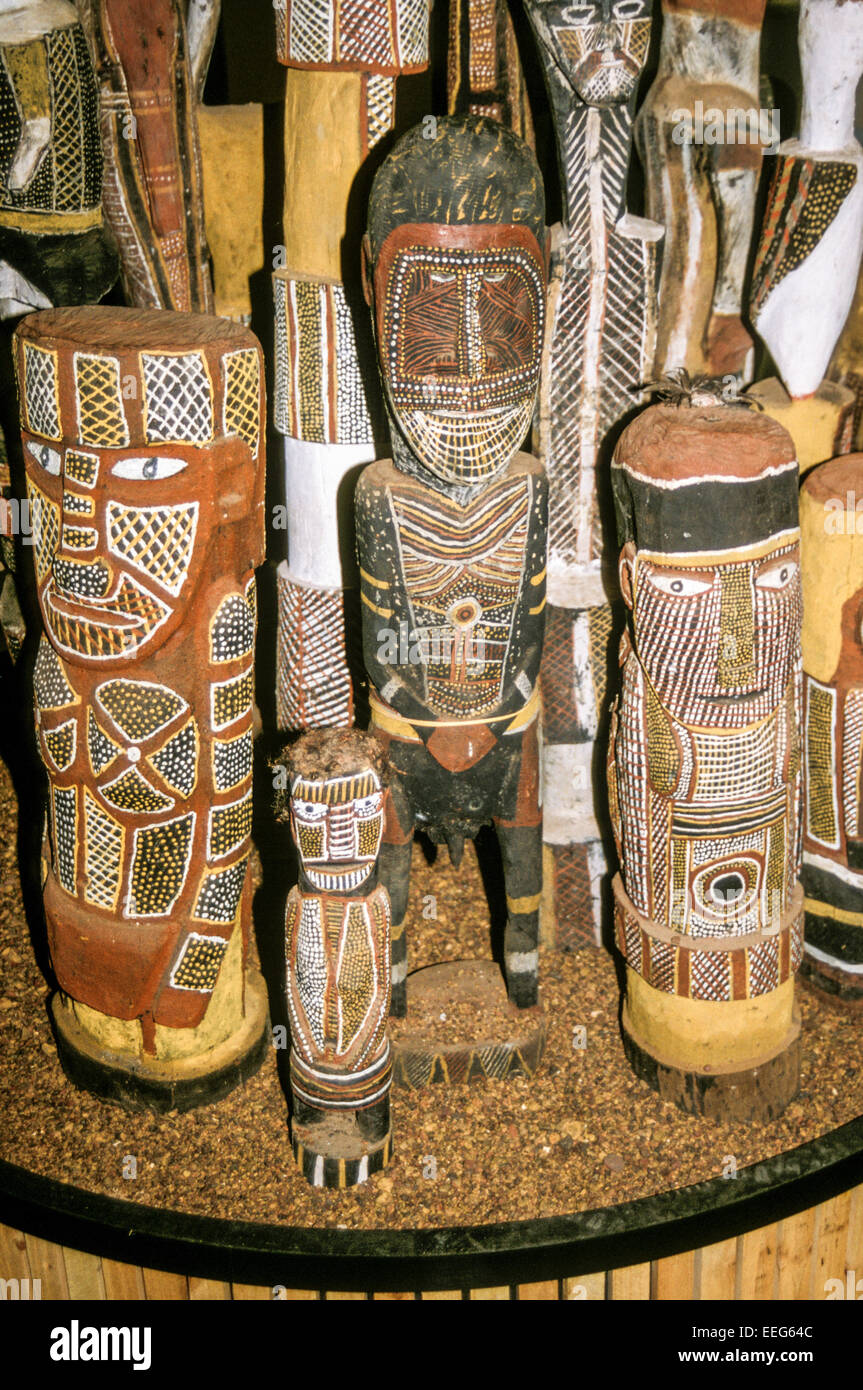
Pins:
x: 794, y: 1256
x: 829, y: 1260
x: 249, y: 1292
x: 14, y: 1263
x: 212, y: 1290
x: 47, y: 1264
x: 160, y: 1286
x: 758, y: 1263
x: 438, y: 1295
x: 336, y: 1297
x: 122, y: 1282
x: 719, y: 1270
x: 584, y: 1288
x: 546, y: 1292
x: 402, y: 1297
x: 631, y: 1283
x: 499, y: 1294
x: 673, y: 1278
x: 83, y: 1275
x: 854, y: 1248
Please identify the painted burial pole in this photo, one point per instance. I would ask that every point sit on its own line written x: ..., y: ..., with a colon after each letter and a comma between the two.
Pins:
x: 343, y: 58
x: 700, y: 141
x: 53, y: 245
x: 484, y: 72
x: 831, y: 540
x: 145, y: 474
x: 337, y: 957
x: 808, y: 257
x: 153, y: 186
x: 704, y: 762
x: 451, y: 532
x: 598, y: 353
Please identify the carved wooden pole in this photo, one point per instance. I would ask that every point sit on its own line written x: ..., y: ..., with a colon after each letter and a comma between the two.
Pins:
x: 809, y: 255
x: 832, y: 548
x: 337, y: 948
x: 145, y: 471
x: 342, y: 60
x: 451, y: 532
x: 700, y: 140
x: 599, y: 352
x: 484, y: 73
x: 704, y: 764
x: 153, y: 187
x: 53, y: 244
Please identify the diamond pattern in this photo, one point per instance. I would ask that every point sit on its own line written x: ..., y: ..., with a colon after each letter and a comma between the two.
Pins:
x: 40, y: 391
x: 178, y: 398
x: 710, y: 977
x: 103, y: 856
x: 66, y: 124
x: 158, y: 541
x: 101, y: 420
x: 242, y: 405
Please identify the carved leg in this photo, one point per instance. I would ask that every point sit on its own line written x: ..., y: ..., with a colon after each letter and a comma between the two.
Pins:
x: 394, y: 867
x: 521, y: 851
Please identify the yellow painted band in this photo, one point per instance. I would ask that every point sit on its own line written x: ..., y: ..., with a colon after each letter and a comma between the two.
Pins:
x: 392, y: 722
x: 538, y: 609
x: 530, y: 904
x: 538, y: 578
x: 51, y: 223
x: 839, y: 914
x: 383, y: 612
x: 375, y: 583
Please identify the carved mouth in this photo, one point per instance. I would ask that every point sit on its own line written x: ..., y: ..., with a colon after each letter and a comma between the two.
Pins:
x: 343, y: 880
x: 112, y: 627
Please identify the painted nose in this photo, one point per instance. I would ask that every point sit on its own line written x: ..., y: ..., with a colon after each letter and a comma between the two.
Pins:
x: 473, y: 348
x: 736, y: 664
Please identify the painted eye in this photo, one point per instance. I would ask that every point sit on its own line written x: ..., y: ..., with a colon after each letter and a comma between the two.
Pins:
x: 579, y: 14
x: 47, y: 457
x: 629, y: 9
x: 778, y: 576
x: 310, y: 810
x: 680, y: 586
x: 368, y: 805
x: 440, y: 277
x: 148, y: 469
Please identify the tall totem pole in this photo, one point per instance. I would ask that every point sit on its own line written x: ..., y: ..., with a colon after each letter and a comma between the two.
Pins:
x: 142, y: 443
x: 599, y: 352
x: 343, y: 58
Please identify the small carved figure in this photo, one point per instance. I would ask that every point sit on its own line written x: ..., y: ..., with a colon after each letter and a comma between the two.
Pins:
x: 337, y: 953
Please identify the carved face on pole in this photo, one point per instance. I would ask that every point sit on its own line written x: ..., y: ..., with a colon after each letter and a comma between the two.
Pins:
x: 600, y: 45
x: 338, y: 825
x: 715, y: 632
x: 122, y: 530
x: 456, y: 272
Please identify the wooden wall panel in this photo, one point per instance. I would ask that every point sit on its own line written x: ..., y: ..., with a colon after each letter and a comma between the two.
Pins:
x: 788, y: 1260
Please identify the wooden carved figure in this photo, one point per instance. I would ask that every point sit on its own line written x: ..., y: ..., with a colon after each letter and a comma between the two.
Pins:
x: 599, y: 352
x: 337, y: 953
x: 700, y: 138
x: 811, y: 242
x: 484, y: 73
x: 343, y: 59
x: 53, y: 245
x: 145, y: 473
x: 153, y: 187
x: 704, y: 764
x: 831, y: 533
x: 451, y: 532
